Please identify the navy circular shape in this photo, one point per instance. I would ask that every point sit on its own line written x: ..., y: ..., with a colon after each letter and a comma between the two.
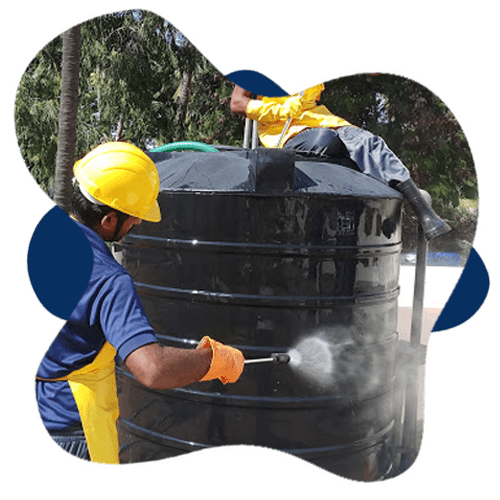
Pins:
x: 59, y: 263
x: 468, y: 295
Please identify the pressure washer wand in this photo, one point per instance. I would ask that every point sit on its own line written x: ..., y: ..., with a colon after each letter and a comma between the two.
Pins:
x: 281, y: 357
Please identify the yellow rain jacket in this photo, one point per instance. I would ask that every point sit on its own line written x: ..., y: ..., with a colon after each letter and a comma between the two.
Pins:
x: 272, y: 113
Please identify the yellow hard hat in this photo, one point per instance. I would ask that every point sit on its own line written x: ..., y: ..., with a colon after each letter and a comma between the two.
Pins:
x: 123, y: 177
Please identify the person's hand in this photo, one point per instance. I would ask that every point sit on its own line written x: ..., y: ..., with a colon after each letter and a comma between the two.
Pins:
x: 227, y: 362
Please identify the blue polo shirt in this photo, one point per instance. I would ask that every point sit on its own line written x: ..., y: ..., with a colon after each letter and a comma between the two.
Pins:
x: 109, y: 310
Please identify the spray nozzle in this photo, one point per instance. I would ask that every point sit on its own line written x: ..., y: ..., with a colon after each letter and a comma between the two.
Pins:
x: 281, y: 357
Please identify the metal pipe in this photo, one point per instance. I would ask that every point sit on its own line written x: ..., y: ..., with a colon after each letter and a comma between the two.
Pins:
x: 260, y: 360
x: 247, y: 132
x: 419, y: 288
x: 410, y: 435
x: 255, y: 135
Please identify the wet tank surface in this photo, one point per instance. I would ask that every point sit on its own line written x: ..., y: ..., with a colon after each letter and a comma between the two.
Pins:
x: 269, y: 252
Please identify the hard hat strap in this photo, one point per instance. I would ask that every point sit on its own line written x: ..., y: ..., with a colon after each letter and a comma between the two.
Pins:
x: 121, y: 218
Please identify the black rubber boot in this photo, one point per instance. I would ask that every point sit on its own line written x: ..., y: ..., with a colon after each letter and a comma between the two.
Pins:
x: 431, y: 223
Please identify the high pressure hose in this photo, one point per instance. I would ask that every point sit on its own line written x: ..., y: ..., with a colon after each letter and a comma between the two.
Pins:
x: 185, y: 146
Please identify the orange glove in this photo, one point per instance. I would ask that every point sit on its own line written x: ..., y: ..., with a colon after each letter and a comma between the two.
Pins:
x: 227, y: 362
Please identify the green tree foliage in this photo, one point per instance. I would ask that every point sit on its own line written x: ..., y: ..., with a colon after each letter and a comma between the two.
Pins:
x: 131, y: 68
x: 202, y: 100
x: 143, y: 82
x: 36, y: 113
x: 128, y: 80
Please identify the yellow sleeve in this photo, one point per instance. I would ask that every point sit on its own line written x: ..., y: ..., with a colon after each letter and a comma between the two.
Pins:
x: 277, y: 109
x: 314, y: 93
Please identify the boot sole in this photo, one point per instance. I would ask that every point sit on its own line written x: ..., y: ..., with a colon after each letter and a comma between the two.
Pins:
x: 437, y: 231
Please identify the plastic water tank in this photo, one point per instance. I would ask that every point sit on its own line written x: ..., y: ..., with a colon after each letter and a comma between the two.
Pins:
x: 262, y: 250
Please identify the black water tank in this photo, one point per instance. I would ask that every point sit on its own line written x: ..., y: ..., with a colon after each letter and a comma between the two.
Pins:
x: 261, y: 251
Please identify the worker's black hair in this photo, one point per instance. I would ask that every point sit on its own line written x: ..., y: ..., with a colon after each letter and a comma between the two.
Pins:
x: 90, y: 214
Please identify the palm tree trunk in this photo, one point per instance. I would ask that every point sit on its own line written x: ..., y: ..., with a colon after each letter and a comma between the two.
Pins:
x: 182, y: 102
x: 66, y: 140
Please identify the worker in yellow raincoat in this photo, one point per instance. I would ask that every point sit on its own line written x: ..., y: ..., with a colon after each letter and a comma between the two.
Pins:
x: 117, y: 188
x: 298, y: 122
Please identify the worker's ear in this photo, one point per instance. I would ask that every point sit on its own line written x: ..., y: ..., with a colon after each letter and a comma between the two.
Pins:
x: 109, y: 222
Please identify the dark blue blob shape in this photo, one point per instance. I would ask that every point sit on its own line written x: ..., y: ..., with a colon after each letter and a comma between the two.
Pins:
x: 468, y: 295
x: 257, y: 83
x: 59, y: 263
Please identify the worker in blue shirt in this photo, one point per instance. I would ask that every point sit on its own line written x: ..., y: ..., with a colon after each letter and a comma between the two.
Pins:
x: 117, y: 188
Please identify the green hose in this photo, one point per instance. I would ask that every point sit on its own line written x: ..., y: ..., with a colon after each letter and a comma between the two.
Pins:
x: 185, y: 146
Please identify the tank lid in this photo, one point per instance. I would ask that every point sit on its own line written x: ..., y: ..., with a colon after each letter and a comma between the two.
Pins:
x: 262, y: 171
